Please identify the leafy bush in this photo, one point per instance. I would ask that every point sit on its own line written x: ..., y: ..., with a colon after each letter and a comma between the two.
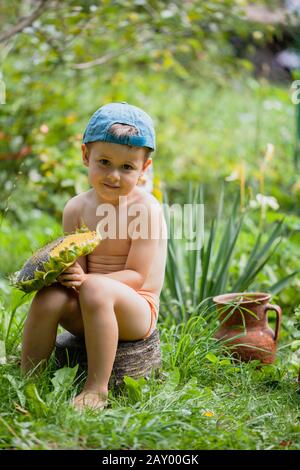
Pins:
x: 193, y: 276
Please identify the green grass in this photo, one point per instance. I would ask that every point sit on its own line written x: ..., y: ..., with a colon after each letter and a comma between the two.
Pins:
x: 200, y: 399
x: 207, y: 402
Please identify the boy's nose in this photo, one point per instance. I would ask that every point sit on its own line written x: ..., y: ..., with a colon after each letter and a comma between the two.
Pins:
x: 113, y: 176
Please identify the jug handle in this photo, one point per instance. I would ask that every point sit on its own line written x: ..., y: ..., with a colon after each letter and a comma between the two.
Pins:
x: 278, y: 311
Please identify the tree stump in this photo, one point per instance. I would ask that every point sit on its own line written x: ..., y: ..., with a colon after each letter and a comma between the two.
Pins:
x: 133, y: 358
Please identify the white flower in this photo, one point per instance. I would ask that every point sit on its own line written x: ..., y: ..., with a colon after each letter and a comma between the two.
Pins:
x: 234, y: 176
x: 264, y: 201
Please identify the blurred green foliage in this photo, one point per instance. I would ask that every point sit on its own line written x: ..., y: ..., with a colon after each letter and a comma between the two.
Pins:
x: 204, y: 133
x: 77, y: 55
x: 178, y: 62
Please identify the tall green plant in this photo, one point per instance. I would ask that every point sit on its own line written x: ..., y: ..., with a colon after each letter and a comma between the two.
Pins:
x: 194, y: 276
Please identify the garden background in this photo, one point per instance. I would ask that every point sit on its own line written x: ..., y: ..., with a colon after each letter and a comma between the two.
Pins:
x: 215, y: 80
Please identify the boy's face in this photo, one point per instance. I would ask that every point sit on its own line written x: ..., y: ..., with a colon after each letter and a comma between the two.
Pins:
x: 114, y: 169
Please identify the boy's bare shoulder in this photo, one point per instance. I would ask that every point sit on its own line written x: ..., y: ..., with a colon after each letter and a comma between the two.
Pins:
x: 77, y: 202
x: 72, y: 214
x: 143, y: 197
x: 151, y: 204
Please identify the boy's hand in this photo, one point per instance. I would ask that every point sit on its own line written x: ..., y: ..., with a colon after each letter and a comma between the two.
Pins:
x: 73, y: 276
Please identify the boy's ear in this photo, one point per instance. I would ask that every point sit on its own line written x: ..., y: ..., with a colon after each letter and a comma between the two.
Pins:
x: 85, y: 155
x: 147, y: 164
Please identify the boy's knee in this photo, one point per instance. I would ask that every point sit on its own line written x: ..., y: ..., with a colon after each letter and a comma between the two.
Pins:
x: 95, y: 284
x: 55, y: 298
x: 96, y: 291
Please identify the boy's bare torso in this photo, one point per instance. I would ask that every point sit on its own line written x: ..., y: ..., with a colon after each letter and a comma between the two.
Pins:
x: 111, y: 253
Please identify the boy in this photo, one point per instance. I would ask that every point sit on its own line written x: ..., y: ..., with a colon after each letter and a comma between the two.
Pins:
x: 112, y: 293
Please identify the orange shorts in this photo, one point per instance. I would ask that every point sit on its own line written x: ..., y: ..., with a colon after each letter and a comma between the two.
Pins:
x: 153, y: 302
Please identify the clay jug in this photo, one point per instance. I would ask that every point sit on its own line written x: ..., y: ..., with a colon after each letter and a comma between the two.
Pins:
x: 245, y: 315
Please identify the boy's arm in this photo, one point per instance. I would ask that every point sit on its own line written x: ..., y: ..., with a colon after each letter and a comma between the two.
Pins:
x: 70, y: 224
x: 138, y: 263
x: 141, y: 254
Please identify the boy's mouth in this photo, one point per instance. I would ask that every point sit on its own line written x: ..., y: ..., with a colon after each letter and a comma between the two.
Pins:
x: 111, y: 186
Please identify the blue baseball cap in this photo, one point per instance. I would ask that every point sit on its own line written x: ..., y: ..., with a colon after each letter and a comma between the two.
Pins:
x: 122, y: 113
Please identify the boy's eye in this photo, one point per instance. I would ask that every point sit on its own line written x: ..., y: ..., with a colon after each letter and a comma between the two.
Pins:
x: 127, y: 167
x: 104, y: 162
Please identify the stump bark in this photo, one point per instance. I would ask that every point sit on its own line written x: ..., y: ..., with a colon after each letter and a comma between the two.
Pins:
x: 133, y: 358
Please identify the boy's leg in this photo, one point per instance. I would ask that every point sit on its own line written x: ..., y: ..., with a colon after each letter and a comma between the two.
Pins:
x: 51, y: 305
x: 121, y: 313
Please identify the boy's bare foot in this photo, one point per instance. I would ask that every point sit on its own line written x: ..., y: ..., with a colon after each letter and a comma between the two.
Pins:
x: 90, y: 399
